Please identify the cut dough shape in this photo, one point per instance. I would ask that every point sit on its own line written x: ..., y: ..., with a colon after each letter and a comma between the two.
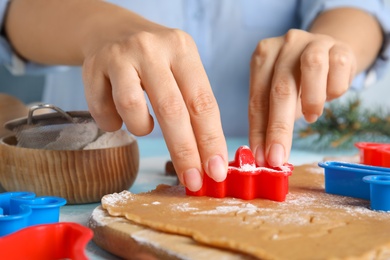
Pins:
x: 310, y: 224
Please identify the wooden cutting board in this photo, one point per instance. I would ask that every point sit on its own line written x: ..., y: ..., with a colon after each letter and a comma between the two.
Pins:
x: 126, y: 240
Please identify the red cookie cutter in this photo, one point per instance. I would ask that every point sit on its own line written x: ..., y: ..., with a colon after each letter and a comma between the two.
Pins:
x: 47, y: 241
x: 246, y: 180
x: 375, y: 154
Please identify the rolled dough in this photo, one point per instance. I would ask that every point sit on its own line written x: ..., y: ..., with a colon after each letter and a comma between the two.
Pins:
x: 310, y: 224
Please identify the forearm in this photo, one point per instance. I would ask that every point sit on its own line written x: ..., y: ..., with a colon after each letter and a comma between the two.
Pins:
x: 64, y: 32
x: 355, y: 28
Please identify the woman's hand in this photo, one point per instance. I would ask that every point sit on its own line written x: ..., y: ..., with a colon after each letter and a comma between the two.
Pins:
x: 166, y: 65
x: 297, y: 73
x: 293, y: 75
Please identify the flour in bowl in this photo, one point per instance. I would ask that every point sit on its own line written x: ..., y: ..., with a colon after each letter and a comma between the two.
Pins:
x: 111, y: 139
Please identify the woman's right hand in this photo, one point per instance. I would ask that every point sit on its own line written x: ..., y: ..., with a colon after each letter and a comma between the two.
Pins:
x: 145, y: 57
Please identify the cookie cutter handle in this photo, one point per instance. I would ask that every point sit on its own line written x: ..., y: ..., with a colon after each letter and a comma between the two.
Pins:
x: 46, y: 106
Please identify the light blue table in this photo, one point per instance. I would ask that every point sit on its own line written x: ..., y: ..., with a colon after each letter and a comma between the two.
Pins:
x: 154, y: 155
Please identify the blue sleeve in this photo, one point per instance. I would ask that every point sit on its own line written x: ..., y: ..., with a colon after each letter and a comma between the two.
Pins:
x: 310, y: 9
x: 11, y: 60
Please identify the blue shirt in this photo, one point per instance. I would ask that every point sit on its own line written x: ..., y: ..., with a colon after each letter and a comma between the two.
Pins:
x: 226, y: 33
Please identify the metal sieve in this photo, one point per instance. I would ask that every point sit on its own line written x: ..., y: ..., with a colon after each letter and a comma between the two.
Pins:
x: 58, y: 130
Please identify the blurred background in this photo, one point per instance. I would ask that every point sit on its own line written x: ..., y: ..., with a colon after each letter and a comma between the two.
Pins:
x: 29, y: 88
x: 26, y: 88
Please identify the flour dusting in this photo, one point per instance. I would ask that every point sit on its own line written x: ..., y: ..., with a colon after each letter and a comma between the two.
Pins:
x: 183, y: 207
x: 117, y: 198
x: 253, y: 168
x: 248, y: 167
x: 315, y: 170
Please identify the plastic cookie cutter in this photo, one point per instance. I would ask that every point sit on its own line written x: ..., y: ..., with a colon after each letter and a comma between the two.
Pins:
x: 47, y: 241
x: 376, y: 154
x: 246, y: 180
x: 343, y: 178
x: 379, y: 191
x: 22, y: 209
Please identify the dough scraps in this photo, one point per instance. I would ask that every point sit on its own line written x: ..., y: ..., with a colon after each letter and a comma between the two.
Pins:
x: 310, y: 224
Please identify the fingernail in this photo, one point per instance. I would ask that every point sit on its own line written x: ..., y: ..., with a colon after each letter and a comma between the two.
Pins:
x: 311, y: 118
x: 192, y: 179
x: 276, y: 155
x: 216, y: 168
x: 259, y: 156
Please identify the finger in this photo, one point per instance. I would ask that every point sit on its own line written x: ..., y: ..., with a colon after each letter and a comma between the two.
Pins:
x: 204, y: 114
x: 261, y: 71
x: 173, y: 117
x: 298, y: 108
x: 99, y: 98
x: 129, y: 99
x: 283, y: 98
x: 314, y: 74
x: 342, y: 68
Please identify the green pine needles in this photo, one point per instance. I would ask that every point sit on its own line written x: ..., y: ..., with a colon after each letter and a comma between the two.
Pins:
x: 344, y: 123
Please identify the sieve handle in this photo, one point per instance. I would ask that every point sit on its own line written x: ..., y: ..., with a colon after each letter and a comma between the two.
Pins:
x: 43, y: 106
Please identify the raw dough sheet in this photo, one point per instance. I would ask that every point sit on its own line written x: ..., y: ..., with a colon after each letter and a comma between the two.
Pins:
x: 310, y: 224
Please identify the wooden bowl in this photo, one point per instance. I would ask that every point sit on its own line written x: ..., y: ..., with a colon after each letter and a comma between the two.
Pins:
x: 10, y: 108
x: 79, y: 176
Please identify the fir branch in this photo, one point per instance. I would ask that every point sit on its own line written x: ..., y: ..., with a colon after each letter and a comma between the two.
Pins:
x: 344, y: 123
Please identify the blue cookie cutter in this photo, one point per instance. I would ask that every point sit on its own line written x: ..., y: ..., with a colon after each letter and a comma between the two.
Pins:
x: 379, y: 191
x: 22, y: 209
x: 358, y: 181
